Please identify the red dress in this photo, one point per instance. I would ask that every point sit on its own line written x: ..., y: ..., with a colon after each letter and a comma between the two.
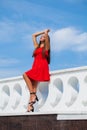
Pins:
x: 40, y: 68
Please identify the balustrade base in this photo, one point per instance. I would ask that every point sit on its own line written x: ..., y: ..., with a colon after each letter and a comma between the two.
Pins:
x: 40, y: 122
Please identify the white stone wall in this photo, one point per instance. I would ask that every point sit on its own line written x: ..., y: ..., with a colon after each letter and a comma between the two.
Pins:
x: 66, y: 93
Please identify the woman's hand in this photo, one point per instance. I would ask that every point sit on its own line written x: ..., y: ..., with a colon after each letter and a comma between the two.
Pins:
x: 47, y: 30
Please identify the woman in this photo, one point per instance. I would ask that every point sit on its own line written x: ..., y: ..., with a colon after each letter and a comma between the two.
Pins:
x: 40, y: 67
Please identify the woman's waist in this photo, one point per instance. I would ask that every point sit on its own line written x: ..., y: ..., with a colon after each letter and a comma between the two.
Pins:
x: 40, y: 59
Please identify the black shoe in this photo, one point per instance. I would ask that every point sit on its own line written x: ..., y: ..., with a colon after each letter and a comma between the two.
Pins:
x: 36, y: 99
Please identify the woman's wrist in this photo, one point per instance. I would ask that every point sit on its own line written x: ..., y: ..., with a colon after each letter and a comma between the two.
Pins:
x: 46, y: 31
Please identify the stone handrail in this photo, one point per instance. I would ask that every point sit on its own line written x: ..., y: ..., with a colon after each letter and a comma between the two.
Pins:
x: 65, y: 93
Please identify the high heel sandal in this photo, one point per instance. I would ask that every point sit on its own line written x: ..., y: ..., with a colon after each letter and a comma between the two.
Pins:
x: 36, y: 99
x: 31, y: 104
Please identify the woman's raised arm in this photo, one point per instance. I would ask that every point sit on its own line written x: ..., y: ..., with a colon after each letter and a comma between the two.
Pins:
x: 34, y: 37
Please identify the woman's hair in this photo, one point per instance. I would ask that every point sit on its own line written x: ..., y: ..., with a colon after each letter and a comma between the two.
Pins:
x: 43, y: 51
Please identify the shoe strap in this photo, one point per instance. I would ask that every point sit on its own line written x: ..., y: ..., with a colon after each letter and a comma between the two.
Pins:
x: 33, y: 93
x: 31, y: 103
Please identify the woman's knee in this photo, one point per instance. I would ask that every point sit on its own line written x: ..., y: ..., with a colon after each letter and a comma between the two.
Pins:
x: 24, y: 75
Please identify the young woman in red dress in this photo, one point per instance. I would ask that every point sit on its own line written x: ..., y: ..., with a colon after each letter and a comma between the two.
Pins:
x: 40, y: 68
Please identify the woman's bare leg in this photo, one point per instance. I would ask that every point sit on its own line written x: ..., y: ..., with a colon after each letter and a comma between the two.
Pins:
x: 28, y: 82
x: 32, y: 86
x: 33, y: 96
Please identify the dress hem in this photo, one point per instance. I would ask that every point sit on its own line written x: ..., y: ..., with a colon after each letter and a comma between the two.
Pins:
x: 38, y: 79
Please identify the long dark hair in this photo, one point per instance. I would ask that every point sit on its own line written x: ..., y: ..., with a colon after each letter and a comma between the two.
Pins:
x: 43, y: 51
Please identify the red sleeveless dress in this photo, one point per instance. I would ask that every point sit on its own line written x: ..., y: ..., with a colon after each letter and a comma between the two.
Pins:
x: 40, y: 68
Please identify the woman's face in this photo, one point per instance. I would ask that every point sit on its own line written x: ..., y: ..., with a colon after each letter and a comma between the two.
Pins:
x: 42, y: 38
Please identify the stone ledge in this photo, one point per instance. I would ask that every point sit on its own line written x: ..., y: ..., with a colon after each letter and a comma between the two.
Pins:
x: 72, y: 117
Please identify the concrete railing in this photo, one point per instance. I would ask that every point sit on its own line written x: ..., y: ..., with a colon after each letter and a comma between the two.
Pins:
x: 65, y: 93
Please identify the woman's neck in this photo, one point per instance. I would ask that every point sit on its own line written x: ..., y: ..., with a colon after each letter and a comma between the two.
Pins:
x: 42, y: 44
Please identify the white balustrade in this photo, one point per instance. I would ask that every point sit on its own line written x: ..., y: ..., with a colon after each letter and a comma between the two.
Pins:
x: 65, y: 93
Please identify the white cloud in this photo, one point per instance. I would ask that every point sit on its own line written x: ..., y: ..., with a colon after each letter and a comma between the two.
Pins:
x: 11, y: 32
x: 69, y: 38
x: 33, y: 11
x: 9, y: 73
x: 8, y: 67
x: 8, y: 61
x: 17, y: 32
x: 6, y: 32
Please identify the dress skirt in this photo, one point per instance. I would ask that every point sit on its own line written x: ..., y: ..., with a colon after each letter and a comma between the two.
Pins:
x: 40, y: 67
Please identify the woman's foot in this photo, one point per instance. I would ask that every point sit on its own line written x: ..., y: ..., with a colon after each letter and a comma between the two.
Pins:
x: 33, y: 99
x: 30, y: 107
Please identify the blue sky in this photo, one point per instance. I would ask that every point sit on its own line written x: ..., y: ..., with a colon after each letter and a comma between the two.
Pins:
x: 19, y: 19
